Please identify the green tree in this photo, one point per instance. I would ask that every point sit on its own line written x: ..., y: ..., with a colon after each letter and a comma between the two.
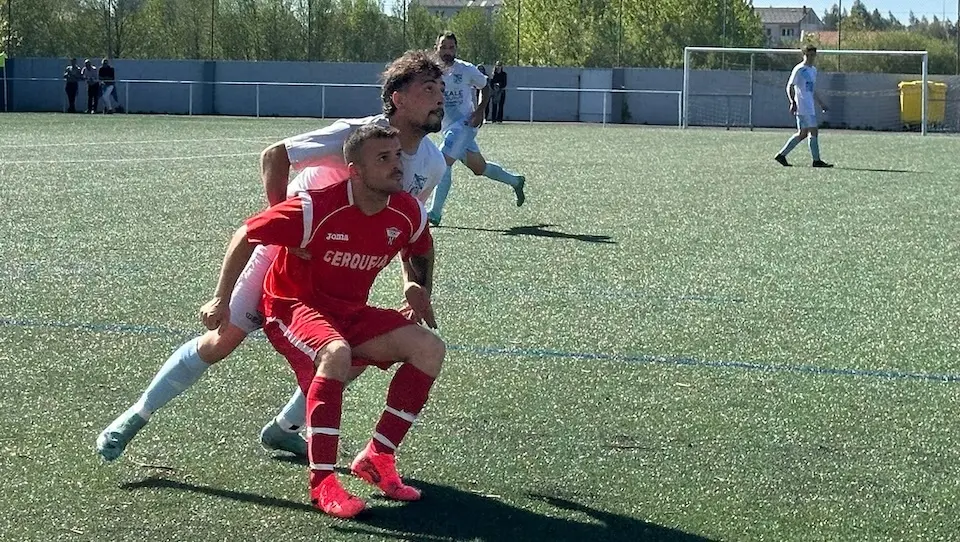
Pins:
x: 476, y: 37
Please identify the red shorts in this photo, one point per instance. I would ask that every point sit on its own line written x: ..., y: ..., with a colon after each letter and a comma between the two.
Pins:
x: 299, y: 332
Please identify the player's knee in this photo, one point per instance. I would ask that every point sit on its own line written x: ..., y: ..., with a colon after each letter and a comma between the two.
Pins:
x: 217, y: 344
x: 428, y: 353
x: 334, y: 360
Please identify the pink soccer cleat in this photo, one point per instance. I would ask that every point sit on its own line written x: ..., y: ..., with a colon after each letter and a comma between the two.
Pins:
x: 331, y: 498
x: 381, y: 470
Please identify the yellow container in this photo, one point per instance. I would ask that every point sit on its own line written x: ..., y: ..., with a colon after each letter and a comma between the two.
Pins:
x: 911, y: 100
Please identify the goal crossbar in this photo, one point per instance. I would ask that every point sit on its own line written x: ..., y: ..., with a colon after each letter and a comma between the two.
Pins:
x: 924, y: 69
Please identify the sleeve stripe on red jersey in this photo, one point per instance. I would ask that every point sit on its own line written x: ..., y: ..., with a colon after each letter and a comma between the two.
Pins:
x: 423, y: 222
x: 306, y: 203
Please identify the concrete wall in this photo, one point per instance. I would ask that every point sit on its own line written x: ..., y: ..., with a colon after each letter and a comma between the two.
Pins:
x: 717, y: 98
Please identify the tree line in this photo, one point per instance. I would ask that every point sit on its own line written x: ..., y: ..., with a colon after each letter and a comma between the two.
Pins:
x: 583, y: 33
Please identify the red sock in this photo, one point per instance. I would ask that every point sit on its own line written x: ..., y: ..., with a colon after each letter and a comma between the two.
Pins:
x: 408, y: 393
x: 324, y: 406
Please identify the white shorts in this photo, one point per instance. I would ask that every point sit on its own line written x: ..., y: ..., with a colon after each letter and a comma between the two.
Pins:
x: 806, y: 121
x: 245, y: 301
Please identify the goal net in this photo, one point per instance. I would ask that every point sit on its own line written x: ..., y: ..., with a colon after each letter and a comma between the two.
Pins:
x: 863, y: 90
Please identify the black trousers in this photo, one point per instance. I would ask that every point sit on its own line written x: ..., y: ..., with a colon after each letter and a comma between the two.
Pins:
x: 496, y: 102
x: 93, y: 97
x: 72, y: 88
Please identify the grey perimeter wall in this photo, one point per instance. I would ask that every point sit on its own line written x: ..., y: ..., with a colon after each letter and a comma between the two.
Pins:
x: 716, y: 98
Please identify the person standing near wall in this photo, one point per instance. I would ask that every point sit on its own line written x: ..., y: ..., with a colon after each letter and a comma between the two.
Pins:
x: 499, y: 86
x: 93, y: 85
x: 109, y: 84
x: 72, y: 75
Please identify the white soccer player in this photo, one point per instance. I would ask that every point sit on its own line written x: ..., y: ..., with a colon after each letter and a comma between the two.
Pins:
x: 801, y: 89
x: 462, y: 119
x: 413, y: 101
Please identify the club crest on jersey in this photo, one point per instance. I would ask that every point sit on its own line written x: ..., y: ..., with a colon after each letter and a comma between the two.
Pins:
x: 418, y: 182
x: 458, y: 78
x: 392, y: 234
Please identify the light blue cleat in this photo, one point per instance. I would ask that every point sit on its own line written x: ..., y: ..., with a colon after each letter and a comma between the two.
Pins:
x: 433, y: 219
x: 274, y: 438
x: 114, y: 439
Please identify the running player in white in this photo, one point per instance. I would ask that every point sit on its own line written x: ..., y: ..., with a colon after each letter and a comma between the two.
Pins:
x: 462, y: 119
x: 412, y: 95
x: 801, y: 89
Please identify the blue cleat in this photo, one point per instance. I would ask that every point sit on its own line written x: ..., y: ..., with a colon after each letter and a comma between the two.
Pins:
x: 433, y: 219
x: 274, y: 438
x: 519, y: 191
x: 114, y: 439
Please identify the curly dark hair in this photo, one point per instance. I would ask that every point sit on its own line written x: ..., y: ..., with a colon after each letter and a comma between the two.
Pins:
x: 404, y: 70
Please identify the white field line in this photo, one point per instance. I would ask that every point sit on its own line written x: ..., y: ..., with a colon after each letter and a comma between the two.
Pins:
x: 118, y: 160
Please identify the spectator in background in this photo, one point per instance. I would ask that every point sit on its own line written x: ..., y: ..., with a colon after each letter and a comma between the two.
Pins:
x: 498, y: 84
x: 109, y: 84
x: 93, y: 85
x: 486, y: 112
x: 72, y: 75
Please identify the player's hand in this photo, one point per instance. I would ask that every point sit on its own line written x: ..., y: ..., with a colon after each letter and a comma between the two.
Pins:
x: 476, y: 120
x: 793, y: 108
x: 214, y: 312
x: 419, y: 307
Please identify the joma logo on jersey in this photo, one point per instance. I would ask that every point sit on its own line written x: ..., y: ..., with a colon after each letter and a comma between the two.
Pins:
x: 338, y: 237
x: 392, y: 234
x: 363, y: 262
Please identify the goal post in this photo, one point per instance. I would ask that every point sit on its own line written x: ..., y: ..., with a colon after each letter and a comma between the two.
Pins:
x: 750, y: 85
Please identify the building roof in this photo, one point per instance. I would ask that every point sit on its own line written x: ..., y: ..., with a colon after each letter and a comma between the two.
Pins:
x: 785, y: 15
x: 459, y: 3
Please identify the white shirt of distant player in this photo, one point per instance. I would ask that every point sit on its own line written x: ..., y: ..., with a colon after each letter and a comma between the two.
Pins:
x: 804, y: 78
x: 319, y: 156
x: 461, y: 80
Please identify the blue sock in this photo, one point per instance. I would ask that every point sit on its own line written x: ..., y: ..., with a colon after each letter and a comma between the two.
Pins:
x: 440, y: 193
x: 791, y: 143
x: 814, y: 148
x: 294, y: 413
x: 180, y: 371
x: 497, y: 173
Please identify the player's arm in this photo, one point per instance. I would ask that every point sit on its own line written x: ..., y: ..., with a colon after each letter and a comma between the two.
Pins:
x: 481, y: 83
x: 820, y: 102
x: 314, y: 148
x: 217, y: 310
x: 417, y: 267
x: 282, y: 224
x: 275, y: 172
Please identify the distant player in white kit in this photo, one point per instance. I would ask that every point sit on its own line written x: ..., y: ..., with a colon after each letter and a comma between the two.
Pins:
x: 801, y: 89
x: 413, y: 101
x: 463, y: 117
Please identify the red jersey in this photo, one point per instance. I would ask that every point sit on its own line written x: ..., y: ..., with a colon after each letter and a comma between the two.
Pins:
x: 347, y: 248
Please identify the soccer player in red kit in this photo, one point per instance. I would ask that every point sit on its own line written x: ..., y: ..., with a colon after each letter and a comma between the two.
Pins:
x: 317, y: 314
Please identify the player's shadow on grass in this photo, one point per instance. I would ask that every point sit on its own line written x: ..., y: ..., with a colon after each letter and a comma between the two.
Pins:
x: 880, y: 170
x: 450, y: 513
x: 540, y: 230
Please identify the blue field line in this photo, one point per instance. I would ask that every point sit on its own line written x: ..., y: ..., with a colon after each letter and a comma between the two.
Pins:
x: 535, y: 353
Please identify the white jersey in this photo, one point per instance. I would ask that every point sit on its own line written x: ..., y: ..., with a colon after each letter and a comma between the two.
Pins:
x: 319, y: 154
x: 319, y: 157
x: 804, y: 78
x: 461, y: 81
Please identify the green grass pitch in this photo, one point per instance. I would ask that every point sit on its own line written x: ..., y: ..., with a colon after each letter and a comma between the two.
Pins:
x: 674, y: 339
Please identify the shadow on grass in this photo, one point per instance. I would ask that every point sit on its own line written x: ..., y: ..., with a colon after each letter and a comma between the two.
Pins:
x: 540, y: 230
x: 450, y: 513
x: 880, y: 170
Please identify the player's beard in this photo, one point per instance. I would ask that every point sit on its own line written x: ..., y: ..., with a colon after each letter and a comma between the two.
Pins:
x: 434, y: 122
x: 447, y: 59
